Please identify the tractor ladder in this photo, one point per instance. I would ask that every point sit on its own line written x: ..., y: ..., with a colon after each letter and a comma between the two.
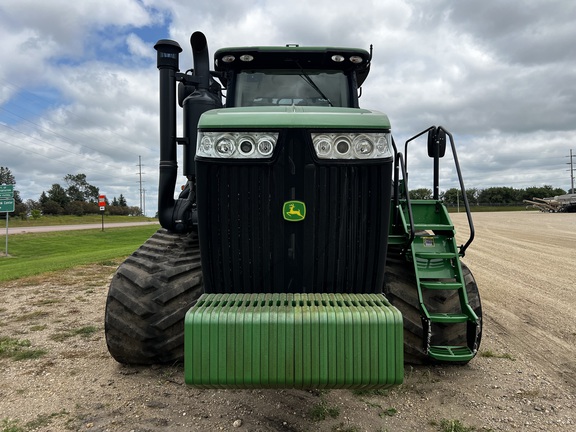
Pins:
x: 437, y: 267
x: 424, y: 235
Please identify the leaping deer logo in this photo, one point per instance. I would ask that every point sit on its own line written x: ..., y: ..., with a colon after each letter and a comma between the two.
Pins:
x: 294, y: 211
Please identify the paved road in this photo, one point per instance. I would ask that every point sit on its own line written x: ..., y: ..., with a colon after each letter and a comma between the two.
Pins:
x: 23, y: 230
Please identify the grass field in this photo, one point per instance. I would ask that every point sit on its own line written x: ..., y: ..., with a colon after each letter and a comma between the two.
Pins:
x: 32, y: 254
x: 486, y: 208
x: 71, y: 220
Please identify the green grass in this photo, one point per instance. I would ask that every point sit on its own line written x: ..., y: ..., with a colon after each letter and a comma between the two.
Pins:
x: 492, y: 354
x: 72, y: 220
x: 372, y: 392
x: 321, y: 411
x: 17, y: 349
x: 36, y: 253
x: 9, y: 425
x: 85, y: 332
x: 42, y: 420
x: 454, y: 426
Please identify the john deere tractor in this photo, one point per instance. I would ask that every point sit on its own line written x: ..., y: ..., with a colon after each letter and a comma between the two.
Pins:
x: 293, y: 257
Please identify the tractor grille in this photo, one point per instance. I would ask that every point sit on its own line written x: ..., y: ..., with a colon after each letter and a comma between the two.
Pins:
x: 248, y: 247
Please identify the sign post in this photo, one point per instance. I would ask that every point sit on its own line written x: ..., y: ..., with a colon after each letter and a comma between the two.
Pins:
x: 7, y: 205
x: 102, y: 205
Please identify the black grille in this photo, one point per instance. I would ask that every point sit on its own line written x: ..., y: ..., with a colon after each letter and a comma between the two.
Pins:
x: 248, y: 247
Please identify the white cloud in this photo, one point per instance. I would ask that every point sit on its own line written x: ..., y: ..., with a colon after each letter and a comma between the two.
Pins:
x: 139, y: 48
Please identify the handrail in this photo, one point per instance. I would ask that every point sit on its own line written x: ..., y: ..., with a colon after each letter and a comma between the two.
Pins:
x: 462, y: 248
x: 412, y: 139
x: 464, y: 197
x: 400, y: 162
x: 400, y: 166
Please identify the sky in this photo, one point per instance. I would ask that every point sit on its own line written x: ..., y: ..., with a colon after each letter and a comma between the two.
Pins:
x: 79, y: 84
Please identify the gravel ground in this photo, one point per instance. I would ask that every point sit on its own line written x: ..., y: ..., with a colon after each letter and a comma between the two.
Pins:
x: 523, y: 380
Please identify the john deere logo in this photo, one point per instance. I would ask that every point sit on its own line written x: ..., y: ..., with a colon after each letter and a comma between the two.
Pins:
x: 294, y: 211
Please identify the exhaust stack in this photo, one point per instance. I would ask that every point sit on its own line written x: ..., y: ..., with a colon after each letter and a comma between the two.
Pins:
x: 202, y: 99
x: 167, y: 62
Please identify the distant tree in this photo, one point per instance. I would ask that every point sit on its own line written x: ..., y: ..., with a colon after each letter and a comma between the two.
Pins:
x: 43, y: 198
x: 122, y: 201
x: 115, y: 202
x: 6, y: 176
x: 74, y: 208
x: 79, y: 189
x: 74, y: 193
x: 17, y: 199
x: 545, y: 191
x: 500, y: 195
x: 51, y: 207
x: 453, y: 196
x: 134, y: 211
x: 422, y: 193
x: 58, y: 194
x: 90, y: 208
x: 33, y: 205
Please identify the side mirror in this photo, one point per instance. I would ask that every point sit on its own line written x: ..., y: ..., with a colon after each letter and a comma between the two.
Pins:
x: 436, y: 138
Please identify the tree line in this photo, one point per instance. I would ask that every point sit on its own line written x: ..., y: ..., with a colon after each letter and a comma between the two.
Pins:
x: 498, y: 195
x: 77, y: 197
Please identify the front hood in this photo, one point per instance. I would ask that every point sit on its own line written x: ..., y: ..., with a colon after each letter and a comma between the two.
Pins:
x: 293, y: 117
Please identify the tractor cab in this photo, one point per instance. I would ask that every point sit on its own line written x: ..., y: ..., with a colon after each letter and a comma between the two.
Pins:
x: 292, y: 75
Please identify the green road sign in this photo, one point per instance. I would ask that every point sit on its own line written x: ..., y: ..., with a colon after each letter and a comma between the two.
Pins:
x: 6, y: 205
x: 6, y: 191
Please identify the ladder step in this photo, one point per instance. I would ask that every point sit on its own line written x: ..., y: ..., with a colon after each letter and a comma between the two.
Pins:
x: 433, y: 227
x: 448, y: 318
x: 441, y: 285
x: 397, y: 239
x: 451, y: 353
x: 435, y: 255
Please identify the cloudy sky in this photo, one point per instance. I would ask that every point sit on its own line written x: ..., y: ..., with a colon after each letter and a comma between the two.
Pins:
x: 79, y: 84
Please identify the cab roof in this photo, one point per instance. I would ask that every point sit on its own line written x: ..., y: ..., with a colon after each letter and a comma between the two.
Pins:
x: 294, y: 57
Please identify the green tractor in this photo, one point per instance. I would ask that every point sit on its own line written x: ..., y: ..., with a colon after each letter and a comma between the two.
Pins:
x: 293, y: 256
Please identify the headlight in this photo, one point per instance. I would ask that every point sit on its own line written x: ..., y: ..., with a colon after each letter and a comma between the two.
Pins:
x: 352, y: 145
x: 236, y: 145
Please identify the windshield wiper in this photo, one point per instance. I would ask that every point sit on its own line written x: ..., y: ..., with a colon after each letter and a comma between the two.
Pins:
x: 312, y: 84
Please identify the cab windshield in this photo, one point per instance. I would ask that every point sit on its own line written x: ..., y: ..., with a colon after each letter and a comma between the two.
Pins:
x: 291, y: 87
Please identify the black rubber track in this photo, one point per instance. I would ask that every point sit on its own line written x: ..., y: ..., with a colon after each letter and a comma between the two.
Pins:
x: 400, y: 289
x: 148, y: 298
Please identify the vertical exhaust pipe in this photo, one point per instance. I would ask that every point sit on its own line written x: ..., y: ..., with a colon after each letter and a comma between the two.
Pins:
x: 167, y: 62
x: 202, y: 99
x: 201, y: 59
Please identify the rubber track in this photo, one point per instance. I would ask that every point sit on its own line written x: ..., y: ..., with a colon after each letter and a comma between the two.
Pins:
x: 400, y: 289
x: 148, y: 298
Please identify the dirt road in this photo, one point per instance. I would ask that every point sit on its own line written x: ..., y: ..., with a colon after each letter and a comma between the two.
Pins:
x: 523, y: 379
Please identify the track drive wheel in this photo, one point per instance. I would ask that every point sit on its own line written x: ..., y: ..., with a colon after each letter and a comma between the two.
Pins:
x: 149, y: 296
x: 400, y: 289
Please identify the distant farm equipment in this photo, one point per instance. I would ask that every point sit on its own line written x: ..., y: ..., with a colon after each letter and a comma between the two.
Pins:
x: 557, y: 204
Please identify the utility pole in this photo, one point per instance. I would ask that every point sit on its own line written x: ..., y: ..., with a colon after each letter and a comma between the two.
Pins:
x: 144, y: 201
x: 140, y: 174
x: 571, y: 172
